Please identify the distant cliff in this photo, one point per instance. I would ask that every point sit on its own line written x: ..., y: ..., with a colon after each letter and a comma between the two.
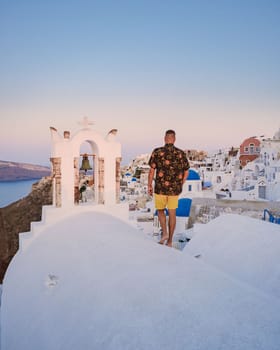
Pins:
x: 16, y: 218
x: 12, y: 171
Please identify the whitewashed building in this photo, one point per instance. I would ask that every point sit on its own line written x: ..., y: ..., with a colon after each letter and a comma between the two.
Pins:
x: 192, y: 186
x: 260, y: 179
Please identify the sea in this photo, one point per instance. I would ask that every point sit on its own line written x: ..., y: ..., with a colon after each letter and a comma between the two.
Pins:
x: 12, y: 191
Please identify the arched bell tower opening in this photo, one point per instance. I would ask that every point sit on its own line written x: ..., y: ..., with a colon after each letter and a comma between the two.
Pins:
x: 86, y: 158
x: 85, y: 174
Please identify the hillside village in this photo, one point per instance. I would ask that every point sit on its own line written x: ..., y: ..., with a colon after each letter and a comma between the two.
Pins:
x: 248, y: 172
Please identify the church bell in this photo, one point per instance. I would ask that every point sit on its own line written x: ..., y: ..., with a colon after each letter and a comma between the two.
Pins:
x: 85, y: 163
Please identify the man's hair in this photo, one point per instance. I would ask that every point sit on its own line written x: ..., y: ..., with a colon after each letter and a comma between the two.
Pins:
x: 170, y: 132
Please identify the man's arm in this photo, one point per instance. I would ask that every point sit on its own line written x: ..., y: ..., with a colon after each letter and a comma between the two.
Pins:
x: 150, y: 180
x: 186, y: 171
x: 185, y: 176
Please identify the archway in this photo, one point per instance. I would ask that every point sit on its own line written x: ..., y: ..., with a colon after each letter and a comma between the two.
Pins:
x: 85, y: 174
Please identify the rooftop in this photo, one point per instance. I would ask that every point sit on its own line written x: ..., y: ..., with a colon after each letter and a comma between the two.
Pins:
x: 93, y: 281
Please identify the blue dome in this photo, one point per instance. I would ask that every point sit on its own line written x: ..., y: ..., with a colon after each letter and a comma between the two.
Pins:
x: 193, y: 175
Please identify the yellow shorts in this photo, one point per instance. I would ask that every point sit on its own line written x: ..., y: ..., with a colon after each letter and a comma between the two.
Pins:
x: 162, y: 201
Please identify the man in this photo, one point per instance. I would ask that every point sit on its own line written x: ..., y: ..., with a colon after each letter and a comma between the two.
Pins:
x: 169, y: 168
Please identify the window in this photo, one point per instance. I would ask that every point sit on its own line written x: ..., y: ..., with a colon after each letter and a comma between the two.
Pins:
x: 252, y: 148
x: 190, y: 188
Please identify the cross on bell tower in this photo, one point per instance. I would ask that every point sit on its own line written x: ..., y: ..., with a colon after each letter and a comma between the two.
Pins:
x: 86, y: 123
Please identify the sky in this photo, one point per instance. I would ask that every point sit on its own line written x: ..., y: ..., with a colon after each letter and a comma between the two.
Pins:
x: 208, y: 69
x: 113, y: 287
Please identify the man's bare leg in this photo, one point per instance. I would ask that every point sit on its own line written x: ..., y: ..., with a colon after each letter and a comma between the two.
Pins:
x: 171, y: 225
x: 162, y: 221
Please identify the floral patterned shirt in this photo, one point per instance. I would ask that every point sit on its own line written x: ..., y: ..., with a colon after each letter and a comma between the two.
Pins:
x: 170, y: 163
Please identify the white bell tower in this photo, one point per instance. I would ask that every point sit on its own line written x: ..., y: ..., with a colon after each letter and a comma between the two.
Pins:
x: 65, y: 156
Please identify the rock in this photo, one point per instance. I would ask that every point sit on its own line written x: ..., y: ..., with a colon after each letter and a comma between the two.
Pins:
x: 17, y: 217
